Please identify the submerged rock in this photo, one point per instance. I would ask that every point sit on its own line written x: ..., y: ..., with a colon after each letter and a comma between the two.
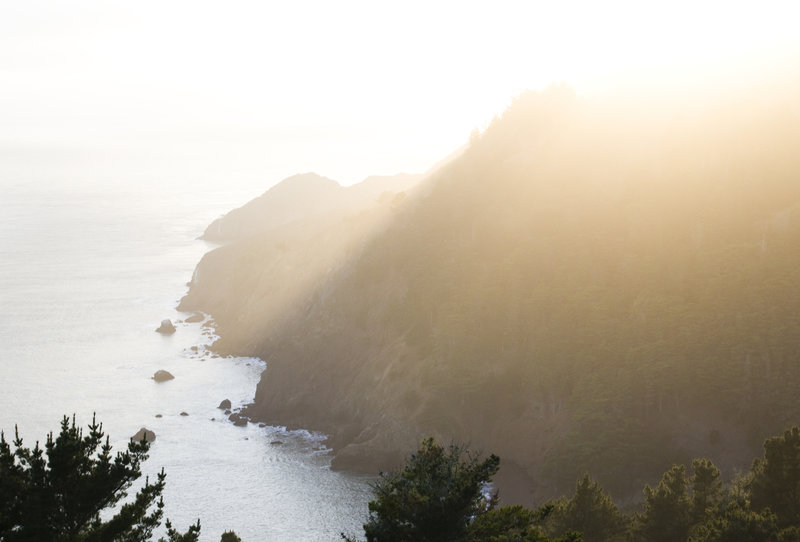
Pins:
x: 162, y: 376
x: 158, y: 416
x: 144, y: 434
x: 166, y: 327
x: 193, y: 319
x: 225, y: 404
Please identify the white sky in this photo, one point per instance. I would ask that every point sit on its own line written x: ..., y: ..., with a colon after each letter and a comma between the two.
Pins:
x: 260, y: 90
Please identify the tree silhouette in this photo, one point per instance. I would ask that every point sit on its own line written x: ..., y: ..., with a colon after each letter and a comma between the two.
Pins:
x: 57, y: 493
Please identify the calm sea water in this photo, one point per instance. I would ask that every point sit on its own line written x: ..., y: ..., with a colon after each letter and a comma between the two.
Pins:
x: 87, y: 272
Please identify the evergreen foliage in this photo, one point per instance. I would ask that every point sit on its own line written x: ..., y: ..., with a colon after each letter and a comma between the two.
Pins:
x: 434, y: 497
x: 506, y: 524
x: 739, y: 524
x: 438, y: 496
x: 58, y: 493
x: 667, y: 512
x: 589, y: 511
x: 776, y: 478
x: 706, y: 486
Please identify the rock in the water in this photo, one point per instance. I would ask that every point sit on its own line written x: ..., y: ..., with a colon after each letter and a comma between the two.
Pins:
x: 158, y: 416
x: 238, y: 420
x: 162, y: 376
x: 227, y: 411
x: 262, y: 424
x: 144, y: 434
x: 193, y: 319
x: 184, y: 413
x: 225, y: 404
x: 276, y: 442
x: 166, y: 327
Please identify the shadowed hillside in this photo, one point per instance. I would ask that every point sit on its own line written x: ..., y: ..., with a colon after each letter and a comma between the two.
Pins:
x: 586, y: 288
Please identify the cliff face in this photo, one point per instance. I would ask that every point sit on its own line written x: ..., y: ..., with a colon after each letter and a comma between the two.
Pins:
x: 579, y: 291
x: 280, y: 247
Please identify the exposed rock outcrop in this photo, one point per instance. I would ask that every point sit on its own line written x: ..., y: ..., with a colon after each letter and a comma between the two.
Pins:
x: 145, y: 434
x: 162, y: 376
x: 166, y: 327
x: 225, y: 404
x: 238, y: 420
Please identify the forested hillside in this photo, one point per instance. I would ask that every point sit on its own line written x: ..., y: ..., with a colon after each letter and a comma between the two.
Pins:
x: 587, y: 288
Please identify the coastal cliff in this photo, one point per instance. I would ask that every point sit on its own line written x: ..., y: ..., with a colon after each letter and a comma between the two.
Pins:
x: 303, y: 199
x: 581, y: 290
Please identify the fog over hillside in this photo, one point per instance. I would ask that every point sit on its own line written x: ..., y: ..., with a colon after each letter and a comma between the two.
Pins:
x: 589, y: 287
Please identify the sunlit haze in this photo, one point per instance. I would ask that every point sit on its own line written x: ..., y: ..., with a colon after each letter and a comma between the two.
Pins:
x: 290, y: 243
x: 255, y: 91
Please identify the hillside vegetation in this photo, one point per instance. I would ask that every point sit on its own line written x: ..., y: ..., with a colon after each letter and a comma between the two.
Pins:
x: 588, y: 288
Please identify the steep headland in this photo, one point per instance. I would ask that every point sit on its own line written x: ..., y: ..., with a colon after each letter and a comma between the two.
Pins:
x: 278, y: 248
x: 301, y: 199
x: 586, y: 288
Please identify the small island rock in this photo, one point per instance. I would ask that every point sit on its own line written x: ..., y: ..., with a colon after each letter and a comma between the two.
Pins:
x: 166, y: 327
x: 184, y: 413
x: 162, y: 376
x: 225, y: 404
x: 144, y: 434
x: 238, y: 420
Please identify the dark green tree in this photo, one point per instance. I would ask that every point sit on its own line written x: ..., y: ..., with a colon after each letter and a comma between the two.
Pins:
x: 707, y: 492
x: 514, y: 524
x: 230, y: 536
x: 775, y: 482
x: 57, y: 493
x: 667, y: 513
x: 589, y: 511
x: 739, y: 524
x: 506, y: 523
x: 434, y: 497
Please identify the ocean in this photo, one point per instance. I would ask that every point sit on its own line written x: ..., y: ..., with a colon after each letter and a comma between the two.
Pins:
x: 88, y: 269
